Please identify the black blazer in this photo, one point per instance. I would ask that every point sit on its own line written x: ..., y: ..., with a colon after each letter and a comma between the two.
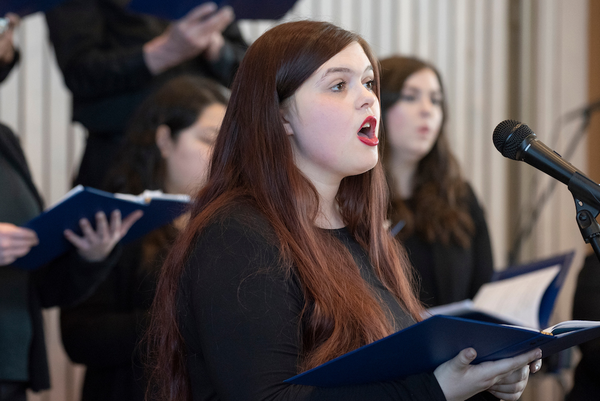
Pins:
x: 65, y: 281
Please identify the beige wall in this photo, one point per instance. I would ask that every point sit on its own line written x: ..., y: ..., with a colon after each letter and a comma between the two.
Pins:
x: 525, y: 59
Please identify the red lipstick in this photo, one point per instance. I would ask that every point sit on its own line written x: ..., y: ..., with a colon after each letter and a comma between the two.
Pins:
x: 366, y: 134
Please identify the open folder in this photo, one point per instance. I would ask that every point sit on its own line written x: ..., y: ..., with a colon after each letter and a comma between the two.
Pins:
x: 243, y: 9
x: 424, y: 346
x: 522, y: 295
x: 84, y: 202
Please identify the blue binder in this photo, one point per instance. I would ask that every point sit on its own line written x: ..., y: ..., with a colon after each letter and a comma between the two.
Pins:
x: 26, y: 7
x: 244, y: 9
x: 85, y: 203
x: 424, y: 346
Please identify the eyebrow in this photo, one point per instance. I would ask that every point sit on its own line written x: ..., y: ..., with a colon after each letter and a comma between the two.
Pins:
x: 341, y: 69
x: 415, y: 89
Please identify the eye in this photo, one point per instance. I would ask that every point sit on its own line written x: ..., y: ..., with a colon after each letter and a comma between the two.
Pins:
x: 408, y: 97
x: 437, y: 101
x: 339, y: 86
x: 369, y: 85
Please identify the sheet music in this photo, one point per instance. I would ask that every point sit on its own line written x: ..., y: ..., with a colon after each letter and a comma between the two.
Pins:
x: 517, y: 298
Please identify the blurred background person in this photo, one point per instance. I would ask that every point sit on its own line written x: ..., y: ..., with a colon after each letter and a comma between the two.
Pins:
x: 66, y: 280
x: 167, y: 147
x: 434, y: 212
x: 111, y: 59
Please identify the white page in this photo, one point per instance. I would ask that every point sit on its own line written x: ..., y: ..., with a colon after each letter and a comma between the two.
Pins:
x: 518, y: 298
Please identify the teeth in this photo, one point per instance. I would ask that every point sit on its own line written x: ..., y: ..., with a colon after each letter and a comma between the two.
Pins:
x: 367, y: 125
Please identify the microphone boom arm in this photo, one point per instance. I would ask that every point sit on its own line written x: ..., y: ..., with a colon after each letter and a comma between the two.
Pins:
x: 588, y: 225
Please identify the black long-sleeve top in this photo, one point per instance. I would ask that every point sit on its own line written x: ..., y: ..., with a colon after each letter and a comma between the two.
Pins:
x: 448, y: 272
x: 239, y: 314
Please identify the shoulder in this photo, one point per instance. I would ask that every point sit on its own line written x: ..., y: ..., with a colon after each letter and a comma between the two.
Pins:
x: 238, y: 222
x: 239, y: 237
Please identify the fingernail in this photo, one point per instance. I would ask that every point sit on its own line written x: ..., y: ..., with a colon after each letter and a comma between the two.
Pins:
x: 538, y: 354
x: 538, y: 366
x: 471, y: 354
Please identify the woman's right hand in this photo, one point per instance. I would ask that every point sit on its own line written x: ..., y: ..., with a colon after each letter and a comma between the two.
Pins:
x: 506, y: 378
x: 15, y: 242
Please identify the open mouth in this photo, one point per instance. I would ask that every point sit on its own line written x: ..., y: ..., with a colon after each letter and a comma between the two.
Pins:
x: 366, y: 134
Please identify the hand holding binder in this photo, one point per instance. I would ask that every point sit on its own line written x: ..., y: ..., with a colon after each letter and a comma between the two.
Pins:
x: 158, y: 208
x: 15, y: 242
x: 426, y: 345
x: 95, y: 245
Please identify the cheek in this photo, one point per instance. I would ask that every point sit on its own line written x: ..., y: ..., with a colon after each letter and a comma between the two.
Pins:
x: 396, y: 127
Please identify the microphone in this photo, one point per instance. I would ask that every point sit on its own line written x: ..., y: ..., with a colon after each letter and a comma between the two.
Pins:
x: 517, y: 141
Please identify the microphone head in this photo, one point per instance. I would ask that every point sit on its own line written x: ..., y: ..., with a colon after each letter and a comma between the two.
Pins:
x: 508, y: 137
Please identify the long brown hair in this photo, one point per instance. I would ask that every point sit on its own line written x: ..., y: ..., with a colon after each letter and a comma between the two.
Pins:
x: 253, y: 161
x: 439, y: 208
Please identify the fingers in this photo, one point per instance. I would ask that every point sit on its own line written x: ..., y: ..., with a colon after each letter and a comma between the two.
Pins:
x: 504, y: 367
x: 96, y: 245
x: 511, y: 387
x: 466, y: 356
x: 200, y: 12
x: 201, y: 28
x: 129, y: 221
x: 13, y: 20
x: 535, y: 366
x: 15, y: 242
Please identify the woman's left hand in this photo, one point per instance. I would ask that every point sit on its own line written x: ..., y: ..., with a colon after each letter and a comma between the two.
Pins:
x: 95, y: 246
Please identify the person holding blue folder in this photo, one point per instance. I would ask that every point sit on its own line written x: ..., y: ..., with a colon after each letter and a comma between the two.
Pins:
x: 167, y: 147
x: 286, y: 262
x: 66, y: 280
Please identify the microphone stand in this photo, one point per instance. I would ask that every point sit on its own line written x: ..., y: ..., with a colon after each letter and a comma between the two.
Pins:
x: 588, y: 225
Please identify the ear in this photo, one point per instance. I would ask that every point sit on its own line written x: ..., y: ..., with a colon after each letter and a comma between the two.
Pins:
x: 163, y: 140
x: 285, y: 117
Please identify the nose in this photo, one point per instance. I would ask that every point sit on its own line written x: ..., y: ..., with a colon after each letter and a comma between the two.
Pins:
x: 426, y: 105
x: 366, y: 99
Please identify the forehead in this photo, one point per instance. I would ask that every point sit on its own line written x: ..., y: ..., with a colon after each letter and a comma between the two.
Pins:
x: 423, y: 79
x: 352, y: 59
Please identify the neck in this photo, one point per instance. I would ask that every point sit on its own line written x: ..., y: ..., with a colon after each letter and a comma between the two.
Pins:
x: 328, y: 216
x: 403, y: 173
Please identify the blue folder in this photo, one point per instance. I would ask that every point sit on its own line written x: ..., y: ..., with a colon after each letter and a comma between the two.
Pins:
x: 85, y: 203
x: 424, y: 346
x: 26, y: 7
x: 244, y: 9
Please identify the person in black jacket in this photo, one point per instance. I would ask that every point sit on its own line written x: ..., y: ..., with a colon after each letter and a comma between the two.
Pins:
x: 167, y: 147
x: 64, y: 281
x: 286, y: 263
x: 112, y: 59
x: 434, y: 212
